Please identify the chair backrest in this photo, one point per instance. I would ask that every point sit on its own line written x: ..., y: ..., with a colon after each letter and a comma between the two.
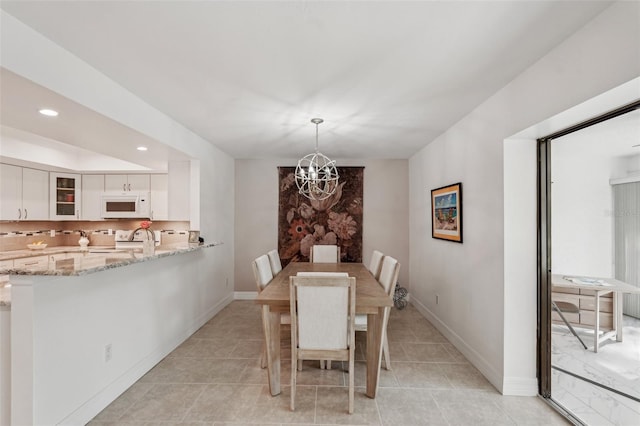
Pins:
x: 323, y: 310
x: 262, y: 272
x: 274, y: 259
x: 325, y: 254
x: 389, y: 274
x: 376, y: 263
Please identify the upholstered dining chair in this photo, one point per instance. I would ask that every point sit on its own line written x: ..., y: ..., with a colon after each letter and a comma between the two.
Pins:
x: 274, y: 259
x: 262, y: 271
x: 263, y: 276
x: 375, y: 263
x: 325, y: 254
x: 323, y: 363
x: 322, y: 323
x: 388, y: 278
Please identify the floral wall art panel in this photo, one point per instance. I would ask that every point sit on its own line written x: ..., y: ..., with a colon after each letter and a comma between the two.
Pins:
x: 337, y: 220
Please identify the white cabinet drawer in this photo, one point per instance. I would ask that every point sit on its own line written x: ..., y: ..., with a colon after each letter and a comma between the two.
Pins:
x: 32, y: 263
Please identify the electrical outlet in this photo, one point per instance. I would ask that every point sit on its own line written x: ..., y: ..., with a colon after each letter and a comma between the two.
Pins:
x: 226, y: 283
x: 52, y: 233
x: 107, y: 353
x: 437, y: 299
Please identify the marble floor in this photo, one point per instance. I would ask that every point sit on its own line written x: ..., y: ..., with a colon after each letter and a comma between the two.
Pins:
x: 616, y: 365
x: 214, y: 378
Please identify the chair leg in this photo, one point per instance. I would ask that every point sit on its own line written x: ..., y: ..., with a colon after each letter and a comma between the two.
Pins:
x: 328, y: 364
x: 299, y: 365
x: 385, y: 352
x: 263, y: 357
x: 294, y: 372
x: 555, y: 308
x: 351, y: 383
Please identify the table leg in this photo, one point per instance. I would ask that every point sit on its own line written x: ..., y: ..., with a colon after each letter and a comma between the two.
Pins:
x: 596, y: 323
x: 618, y: 321
x: 374, y: 351
x: 271, y: 326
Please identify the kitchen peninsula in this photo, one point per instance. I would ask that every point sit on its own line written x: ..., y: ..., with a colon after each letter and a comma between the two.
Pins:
x: 93, y: 322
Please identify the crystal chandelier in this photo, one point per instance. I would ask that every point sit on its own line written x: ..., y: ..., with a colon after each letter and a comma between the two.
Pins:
x: 316, y: 175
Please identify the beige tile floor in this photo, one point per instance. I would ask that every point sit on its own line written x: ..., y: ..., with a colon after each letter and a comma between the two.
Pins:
x: 214, y: 378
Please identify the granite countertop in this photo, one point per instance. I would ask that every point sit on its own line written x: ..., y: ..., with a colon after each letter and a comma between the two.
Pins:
x: 95, y: 259
x: 5, y: 293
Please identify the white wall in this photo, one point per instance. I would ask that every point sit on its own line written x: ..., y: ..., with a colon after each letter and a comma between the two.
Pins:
x: 61, y: 325
x: 210, y: 277
x: 385, y: 216
x: 487, y: 317
x: 582, y: 204
x: 5, y: 365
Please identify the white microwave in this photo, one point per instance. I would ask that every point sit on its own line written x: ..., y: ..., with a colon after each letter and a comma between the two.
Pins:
x: 127, y: 204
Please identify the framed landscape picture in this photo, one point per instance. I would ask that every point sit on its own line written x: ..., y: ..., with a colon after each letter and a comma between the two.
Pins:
x: 446, y: 212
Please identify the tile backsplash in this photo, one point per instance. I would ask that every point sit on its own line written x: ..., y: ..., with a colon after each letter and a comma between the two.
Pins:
x: 16, y: 235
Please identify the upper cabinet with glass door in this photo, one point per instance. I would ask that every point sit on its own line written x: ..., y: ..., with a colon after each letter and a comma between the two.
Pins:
x: 65, y: 196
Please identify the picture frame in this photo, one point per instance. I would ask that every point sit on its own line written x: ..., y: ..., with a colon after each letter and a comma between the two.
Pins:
x: 446, y: 213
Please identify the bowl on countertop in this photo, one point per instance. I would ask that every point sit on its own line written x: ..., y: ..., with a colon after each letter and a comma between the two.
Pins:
x: 37, y: 246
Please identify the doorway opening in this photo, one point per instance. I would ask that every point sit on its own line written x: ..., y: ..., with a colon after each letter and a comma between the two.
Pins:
x: 588, y: 242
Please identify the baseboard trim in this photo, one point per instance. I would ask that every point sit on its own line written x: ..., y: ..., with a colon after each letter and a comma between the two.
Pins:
x: 106, y: 396
x: 472, y: 356
x: 520, y: 386
x: 245, y: 295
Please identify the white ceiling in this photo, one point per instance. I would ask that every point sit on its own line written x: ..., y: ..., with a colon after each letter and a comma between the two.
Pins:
x: 388, y: 77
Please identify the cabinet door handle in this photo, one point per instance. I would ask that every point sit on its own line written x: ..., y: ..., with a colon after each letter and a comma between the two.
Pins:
x: 30, y: 263
x: 129, y: 187
x: 19, y: 213
x: 26, y: 213
x: 151, y: 215
x: 124, y: 186
x: 77, y: 214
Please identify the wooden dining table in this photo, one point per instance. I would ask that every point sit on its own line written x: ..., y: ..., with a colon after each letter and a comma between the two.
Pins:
x: 371, y: 300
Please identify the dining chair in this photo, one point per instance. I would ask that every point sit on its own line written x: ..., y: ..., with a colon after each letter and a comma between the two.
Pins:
x: 325, y: 254
x: 567, y: 307
x: 323, y: 363
x: 263, y: 276
x: 274, y: 259
x: 388, y: 277
x: 375, y: 263
x: 262, y: 271
x: 322, y: 323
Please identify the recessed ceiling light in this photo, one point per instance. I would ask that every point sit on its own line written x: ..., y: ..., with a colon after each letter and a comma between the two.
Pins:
x: 142, y: 148
x: 48, y: 112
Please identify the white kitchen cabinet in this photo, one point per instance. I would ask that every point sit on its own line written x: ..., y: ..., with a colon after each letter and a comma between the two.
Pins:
x: 159, y: 197
x: 24, y: 193
x: 126, y: 183
x: 92, y: 189
x: 53, y: 258
x: 11, y: 192
x: 6, y: 264
x: 35, y: 194
x: 32, y: 263
x: 65, y: 195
